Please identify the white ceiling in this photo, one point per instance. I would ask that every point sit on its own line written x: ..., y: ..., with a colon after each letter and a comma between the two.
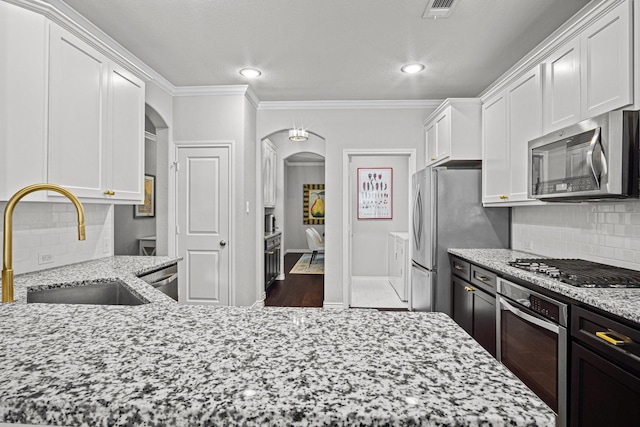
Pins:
x: 330, y: 49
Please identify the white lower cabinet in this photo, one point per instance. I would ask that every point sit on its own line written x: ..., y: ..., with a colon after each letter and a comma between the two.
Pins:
x: 399, y: 263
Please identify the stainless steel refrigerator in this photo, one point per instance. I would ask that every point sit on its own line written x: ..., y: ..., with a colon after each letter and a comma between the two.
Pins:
x: 448, y: 213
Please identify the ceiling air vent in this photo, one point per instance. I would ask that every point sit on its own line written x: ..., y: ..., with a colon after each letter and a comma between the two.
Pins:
x: 439, y: 8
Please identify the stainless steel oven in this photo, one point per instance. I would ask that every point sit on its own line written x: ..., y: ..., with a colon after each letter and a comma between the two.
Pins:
x: 594, y: 159
x: 532, y: 342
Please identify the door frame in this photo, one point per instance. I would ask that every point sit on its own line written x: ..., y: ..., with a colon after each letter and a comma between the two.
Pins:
x: 173, y: 207
x: 347, y: 204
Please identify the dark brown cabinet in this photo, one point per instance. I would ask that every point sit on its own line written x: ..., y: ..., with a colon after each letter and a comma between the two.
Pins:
x: 271, y: 260
x: 474, y: 303
x: 605, y: 371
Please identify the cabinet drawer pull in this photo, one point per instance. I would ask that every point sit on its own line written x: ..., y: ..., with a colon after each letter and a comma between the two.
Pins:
x: 613, y: 338
x: 504, y: 196
x: 469, y: 289
x: 433, y: 158
x: 483, y: 278
x: 458, y: 267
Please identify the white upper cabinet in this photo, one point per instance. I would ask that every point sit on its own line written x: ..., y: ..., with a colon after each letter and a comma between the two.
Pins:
x: 96, y: 123
x: 23, y: 100
x: 453, y: 132
x: 495, y: 156
x: 585, y: 71
x: 126, y: 135
x: 77, y: 114
x: 524, y: 110
x: 269, y: 159
x: 510, y: 119
x: 591, y: 73
x: 607, y: 62
x: 562, y: 87
x: 70, y: 113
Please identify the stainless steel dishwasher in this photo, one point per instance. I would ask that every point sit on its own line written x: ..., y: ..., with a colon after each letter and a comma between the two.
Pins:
x: 165, y: 280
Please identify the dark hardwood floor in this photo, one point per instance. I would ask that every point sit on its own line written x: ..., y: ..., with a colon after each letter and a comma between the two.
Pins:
x: 297, y: 290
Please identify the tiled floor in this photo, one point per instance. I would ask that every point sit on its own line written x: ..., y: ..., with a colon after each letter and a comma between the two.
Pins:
x: 374, y: 292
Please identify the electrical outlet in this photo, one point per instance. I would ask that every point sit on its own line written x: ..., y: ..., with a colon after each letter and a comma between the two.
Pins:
x: 528, y: 245
x: 106, y: 245
x: 45, y: 258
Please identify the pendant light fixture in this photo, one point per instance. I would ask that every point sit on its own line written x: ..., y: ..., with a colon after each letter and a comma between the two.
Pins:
x: 298, y: 135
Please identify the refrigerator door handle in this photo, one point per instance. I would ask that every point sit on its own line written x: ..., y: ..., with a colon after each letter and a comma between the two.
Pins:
x: 417, y: 218
x: 434, y: 219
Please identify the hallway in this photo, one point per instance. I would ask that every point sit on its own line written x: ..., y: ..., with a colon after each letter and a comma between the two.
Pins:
x: 297, y: 290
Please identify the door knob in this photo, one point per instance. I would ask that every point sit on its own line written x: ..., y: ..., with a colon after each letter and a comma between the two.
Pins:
x: 223, y: 243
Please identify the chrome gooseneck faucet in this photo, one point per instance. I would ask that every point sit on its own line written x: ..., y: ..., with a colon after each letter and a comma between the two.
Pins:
x: 7, y: 237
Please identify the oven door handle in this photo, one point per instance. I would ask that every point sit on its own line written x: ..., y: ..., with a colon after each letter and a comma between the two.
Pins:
x: 529, y: 318
x: 165, y: 281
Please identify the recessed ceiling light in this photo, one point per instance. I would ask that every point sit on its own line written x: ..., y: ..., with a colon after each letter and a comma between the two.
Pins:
x: 412, y: 68
x: 250, y: 72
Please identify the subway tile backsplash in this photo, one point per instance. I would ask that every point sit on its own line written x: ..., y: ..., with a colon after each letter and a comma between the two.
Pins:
x: 45, y: 235
x: 602, y: 232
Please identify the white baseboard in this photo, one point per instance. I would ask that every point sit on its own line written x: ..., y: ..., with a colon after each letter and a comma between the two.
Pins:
x: 258, y: 304
x: 333, y: 305
x: 280, y: 276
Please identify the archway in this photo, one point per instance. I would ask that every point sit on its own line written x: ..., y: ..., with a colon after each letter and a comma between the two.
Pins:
x: 296, y: 163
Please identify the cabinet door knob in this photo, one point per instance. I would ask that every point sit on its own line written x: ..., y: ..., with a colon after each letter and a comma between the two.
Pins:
x: 469, y: 289
x: 504, y: 196
x: 223, y: 243
x: 433, y: 158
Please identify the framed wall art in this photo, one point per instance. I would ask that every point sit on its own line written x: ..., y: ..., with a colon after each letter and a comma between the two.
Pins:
x: 148, y: 209
x: 375, y: 193
x: 313, y: 204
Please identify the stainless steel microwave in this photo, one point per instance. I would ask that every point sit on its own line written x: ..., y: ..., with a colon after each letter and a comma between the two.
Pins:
x: 591, y: 160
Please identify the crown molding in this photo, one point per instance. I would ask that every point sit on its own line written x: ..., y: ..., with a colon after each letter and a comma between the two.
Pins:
x: 571, y: 28
x: 348, y: 105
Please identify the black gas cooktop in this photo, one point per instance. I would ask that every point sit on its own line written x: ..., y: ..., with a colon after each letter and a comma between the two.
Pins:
x: 581, y: 273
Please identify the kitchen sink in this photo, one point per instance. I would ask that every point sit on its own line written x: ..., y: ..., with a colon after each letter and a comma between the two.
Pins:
x: 114, y: 292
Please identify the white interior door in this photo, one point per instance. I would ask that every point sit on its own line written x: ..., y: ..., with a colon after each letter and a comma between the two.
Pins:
x: 203, y: 214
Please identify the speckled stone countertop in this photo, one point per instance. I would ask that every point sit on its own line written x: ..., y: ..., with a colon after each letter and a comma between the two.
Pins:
x: 125, y: 268
x: 621, y: 302
x: 165, y: 364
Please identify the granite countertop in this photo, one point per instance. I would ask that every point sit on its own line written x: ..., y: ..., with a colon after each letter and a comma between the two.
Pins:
x: 125, y: 268
x: 165, y: 364
x: 621, y: 302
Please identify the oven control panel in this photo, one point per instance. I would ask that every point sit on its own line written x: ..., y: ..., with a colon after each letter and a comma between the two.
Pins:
x: 544, y: 307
